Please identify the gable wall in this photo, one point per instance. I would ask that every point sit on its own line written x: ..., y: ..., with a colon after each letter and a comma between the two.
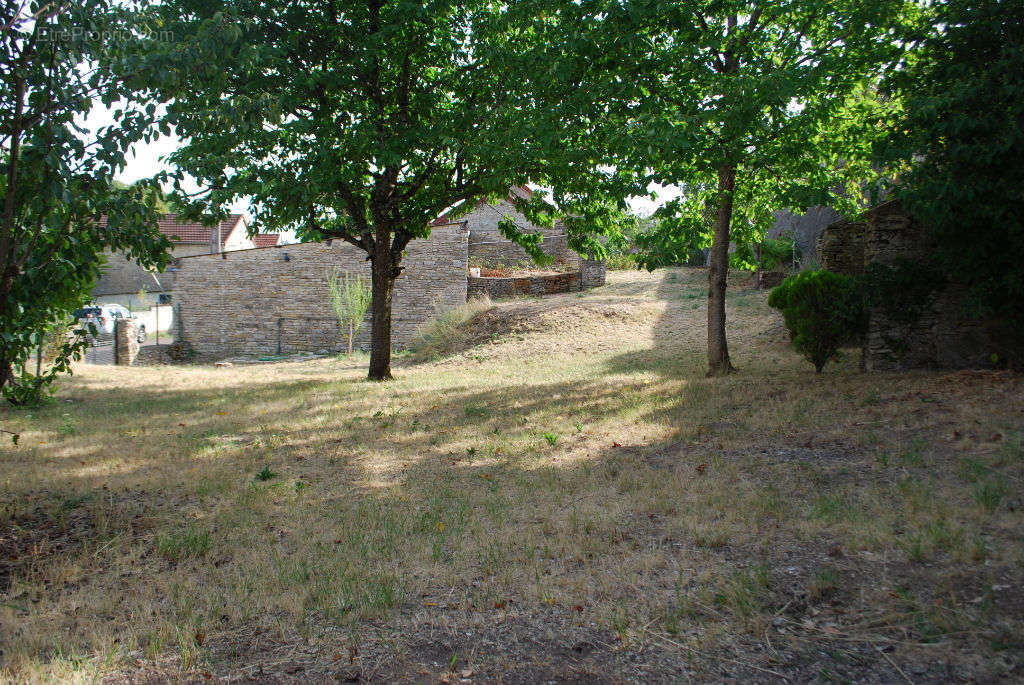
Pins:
x: 489, y: 248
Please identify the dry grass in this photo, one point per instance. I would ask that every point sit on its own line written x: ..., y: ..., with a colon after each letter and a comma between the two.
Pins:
x: 568, y: 499
x: 449, y: 330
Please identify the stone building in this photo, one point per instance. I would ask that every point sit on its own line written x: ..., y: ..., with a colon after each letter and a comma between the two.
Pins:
x: 268, y: 301
x: 488, y: 248
x: 122, y: 280
x: 934, y: 332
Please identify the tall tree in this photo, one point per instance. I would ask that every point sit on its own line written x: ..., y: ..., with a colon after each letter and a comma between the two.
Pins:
x: 736, y: 100
x: 960, y: 146
x: 58, y: 60
x: 361, y: 120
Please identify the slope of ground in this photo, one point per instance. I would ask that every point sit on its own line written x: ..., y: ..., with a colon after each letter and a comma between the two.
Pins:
x: 568, y: 500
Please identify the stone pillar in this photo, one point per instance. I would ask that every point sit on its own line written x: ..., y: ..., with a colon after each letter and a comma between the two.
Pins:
x: 592, y: 273
x: 126, y: 341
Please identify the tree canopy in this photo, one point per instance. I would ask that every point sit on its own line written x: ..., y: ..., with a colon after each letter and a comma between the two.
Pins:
x: 57, y: 62
x: 364, y: 120
x: 959, y: 145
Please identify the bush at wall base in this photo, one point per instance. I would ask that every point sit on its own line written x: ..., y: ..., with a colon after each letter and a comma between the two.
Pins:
x: 822, y: 310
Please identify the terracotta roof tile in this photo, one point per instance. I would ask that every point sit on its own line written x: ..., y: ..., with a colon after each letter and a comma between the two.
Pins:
x: 195, y: 233
x: 266, y: 239
x: 192, y: 233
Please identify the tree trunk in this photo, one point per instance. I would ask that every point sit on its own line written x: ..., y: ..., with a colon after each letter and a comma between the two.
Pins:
x: 351, y: 334
x: 718, y: 348
x: 383, y: 286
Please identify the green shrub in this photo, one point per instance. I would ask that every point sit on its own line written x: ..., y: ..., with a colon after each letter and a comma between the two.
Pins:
x: 778, y: 254
x: 822, y: 310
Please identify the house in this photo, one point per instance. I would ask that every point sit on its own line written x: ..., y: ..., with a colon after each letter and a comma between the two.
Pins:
x: 124, y: 282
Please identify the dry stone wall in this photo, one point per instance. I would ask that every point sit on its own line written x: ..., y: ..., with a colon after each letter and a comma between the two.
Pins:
x: 274, y: 300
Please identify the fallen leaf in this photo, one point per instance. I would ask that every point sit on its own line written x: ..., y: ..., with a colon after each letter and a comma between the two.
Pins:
x: 701, y: 468
x: 500, y: 604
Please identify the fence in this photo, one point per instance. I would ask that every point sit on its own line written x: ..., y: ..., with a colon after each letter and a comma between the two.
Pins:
x: 102, y: 349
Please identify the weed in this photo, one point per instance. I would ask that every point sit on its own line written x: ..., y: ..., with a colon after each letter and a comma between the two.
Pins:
x: 990, y: 493
x: 551, y: 438
x: 265, y: 474
x: 449, y: 330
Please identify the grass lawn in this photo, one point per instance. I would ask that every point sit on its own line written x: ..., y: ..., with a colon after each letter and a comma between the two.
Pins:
x: 567, y: 498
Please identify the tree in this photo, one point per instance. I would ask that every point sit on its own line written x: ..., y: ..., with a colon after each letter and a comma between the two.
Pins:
x: 741, y: 102
x: 350, y: 299
x: 960, y: 146
x: 362, y: 121
x: 59, y: 208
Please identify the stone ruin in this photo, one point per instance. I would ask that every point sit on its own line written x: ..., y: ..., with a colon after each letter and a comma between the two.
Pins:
x: 939, y: 334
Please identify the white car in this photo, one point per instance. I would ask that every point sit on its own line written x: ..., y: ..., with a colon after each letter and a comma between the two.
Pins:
x: 105, y: 316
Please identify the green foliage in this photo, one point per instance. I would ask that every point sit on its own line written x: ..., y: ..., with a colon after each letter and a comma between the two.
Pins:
x: 265, y: 474
x: 350, y: 298
x: 779, y: 253
x: 712, y: 85
x: 57, y: 180
x: 959, y: 148
x: 775, y: 255
x: 822, y: 311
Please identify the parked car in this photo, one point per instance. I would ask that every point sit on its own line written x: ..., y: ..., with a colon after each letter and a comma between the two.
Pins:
x: 104, y: 317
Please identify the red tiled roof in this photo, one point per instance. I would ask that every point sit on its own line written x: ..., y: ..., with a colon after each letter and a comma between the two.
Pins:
x: 191, y: 233
x: 195, y: 233
x: 266, y: 239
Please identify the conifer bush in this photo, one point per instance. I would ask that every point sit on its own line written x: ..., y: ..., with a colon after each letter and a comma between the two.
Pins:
x: 822, y: 310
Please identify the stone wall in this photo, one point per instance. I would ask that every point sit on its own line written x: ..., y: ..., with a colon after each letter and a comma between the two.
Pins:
x: 841, y: 247
x: 593, y: 273
x: 937, y: 334
x: 274, y: 300
x: 126, y: 342
x: 518, y: 286
x: 805, y: 228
